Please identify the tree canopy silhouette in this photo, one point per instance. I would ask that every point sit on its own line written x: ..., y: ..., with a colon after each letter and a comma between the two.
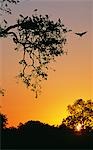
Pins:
x: 81, y: 112
x: 41, y: 40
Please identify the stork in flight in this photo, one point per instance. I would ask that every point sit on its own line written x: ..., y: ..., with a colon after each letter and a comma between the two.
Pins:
x: 81, y: 33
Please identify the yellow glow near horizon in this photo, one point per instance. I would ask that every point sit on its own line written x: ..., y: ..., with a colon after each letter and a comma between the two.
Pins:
x: 79, y: 127
x: 73, y: 78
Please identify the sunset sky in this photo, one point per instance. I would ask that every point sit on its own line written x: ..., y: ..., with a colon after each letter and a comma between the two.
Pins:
x: 73, y: 78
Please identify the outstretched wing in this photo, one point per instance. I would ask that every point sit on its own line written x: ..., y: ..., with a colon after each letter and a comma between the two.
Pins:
x: 78, y: 34
x: 82, y: 33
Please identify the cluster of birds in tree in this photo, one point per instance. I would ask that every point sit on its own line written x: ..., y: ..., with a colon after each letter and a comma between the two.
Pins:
x: 77, y: 33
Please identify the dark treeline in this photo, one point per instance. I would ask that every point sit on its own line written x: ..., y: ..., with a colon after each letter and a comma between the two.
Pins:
x: 34, y: 134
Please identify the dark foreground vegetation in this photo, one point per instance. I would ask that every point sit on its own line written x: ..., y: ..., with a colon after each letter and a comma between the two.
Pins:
x: 34, y: 134
x: 76, y: 131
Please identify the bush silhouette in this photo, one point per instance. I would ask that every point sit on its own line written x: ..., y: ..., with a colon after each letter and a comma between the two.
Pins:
x: 35, y: 134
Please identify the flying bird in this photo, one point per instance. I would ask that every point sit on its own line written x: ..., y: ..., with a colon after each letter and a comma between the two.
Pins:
x: 35, y: 9
x: 81, y: 34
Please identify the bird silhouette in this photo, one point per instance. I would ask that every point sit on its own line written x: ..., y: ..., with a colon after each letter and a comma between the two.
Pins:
x: 35, y: 9
x: 81, y: 33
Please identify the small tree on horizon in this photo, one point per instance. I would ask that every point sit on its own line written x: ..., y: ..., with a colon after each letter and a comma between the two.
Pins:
x: 81, y: 112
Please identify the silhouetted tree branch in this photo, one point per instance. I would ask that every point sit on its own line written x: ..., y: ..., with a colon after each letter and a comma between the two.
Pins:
x: 41, y: 40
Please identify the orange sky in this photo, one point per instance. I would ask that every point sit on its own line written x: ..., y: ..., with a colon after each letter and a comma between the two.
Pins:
x: 73, y: 78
